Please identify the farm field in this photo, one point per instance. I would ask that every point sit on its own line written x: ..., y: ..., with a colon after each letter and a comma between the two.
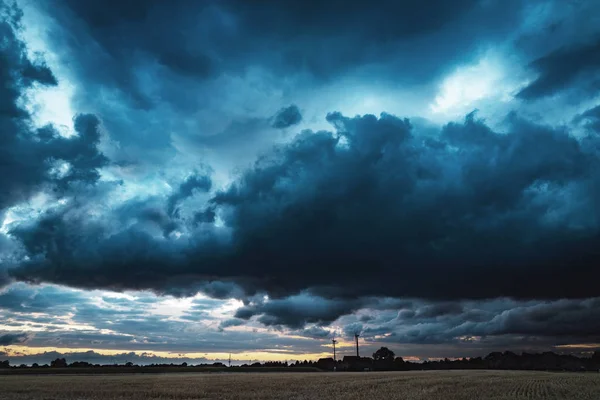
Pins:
x: 447, y: 385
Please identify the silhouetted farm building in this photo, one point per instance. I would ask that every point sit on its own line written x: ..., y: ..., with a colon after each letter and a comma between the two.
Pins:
x: 354, y: 363
x: 326, y: 364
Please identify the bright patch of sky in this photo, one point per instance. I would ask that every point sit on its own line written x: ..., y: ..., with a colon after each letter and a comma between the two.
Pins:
x: 51, y: 105
x: 31, y: 209
x: 47, y: 105
x: 462, y: 91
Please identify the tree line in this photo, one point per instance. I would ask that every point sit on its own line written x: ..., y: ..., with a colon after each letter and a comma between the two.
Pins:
x: 382, y: 360
x: 385, y: 360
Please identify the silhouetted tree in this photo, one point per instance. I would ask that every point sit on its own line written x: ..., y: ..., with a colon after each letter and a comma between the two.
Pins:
x: 4, y: 364
x: 80, y: 364
x: 384, y: 354
x: 399, y: 364
x: 59, y: 363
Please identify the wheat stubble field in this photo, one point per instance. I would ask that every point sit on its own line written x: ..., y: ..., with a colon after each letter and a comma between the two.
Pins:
x: 448, y: 385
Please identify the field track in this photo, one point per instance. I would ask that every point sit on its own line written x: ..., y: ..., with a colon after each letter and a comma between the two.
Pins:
x: 447, y: 385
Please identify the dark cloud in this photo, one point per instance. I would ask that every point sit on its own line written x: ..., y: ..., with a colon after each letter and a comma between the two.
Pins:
x: 231, y: 322
x: 232, y: 35
x: 374, y: 201
x: 316, y: 332
x: 441, y: 309
x: 205, y: 216
x: 133, y: 33
x: 590, y: 119
x: 287, y: 117
x: 195, y: 182
x: 556, y: 73
x: 296, y: 311
x: 372, y: 209
x: 353, y: 329
x: 12, y: 338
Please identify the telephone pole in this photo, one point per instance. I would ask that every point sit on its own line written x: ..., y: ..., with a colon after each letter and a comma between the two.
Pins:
x: 334, y: 342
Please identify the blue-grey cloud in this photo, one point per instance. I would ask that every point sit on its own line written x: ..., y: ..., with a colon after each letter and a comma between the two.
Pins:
x: 239, y: 32
x: 24, y: 299
x: 556, y: 74
x: 286, y: 117
x: 296, y: 311
x: 195, y: 182
x: 357, y: 212
x: 157, y: 83
x: 231, y: 322
x: 590, y: 119
x: 12, y: 338
x: 492, y: 324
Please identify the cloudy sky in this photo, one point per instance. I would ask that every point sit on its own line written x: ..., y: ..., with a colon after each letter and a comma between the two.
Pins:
x: 197, y: 178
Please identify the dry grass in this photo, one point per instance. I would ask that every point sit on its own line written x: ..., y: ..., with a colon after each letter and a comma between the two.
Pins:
x: 447, y: 385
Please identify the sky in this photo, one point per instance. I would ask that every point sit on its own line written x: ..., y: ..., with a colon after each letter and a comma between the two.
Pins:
x: 186, y: 180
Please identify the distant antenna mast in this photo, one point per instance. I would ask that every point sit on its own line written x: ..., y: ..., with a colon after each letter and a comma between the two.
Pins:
x: 334, y: 343
x: 356, y: 336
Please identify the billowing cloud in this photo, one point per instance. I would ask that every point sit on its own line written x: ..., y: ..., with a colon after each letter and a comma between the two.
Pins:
x: 371, y: 209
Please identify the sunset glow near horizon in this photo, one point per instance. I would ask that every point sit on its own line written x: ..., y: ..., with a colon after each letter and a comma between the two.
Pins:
x: 189, y: 180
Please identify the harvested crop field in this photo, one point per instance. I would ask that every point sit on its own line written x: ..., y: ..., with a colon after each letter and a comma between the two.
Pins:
x: 448, y: 385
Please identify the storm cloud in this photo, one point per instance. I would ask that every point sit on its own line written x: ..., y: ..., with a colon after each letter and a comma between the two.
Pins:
x: 371, y: 209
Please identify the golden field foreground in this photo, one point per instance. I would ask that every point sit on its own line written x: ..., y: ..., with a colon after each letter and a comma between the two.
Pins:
x: 448, y: 385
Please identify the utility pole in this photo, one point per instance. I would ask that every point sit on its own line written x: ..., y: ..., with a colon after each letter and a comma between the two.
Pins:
x: 356, y: 336
x: 334, y: 342
x: 230, y: 359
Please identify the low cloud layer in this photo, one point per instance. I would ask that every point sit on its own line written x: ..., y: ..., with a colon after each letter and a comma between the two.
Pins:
x: 12, y: 338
